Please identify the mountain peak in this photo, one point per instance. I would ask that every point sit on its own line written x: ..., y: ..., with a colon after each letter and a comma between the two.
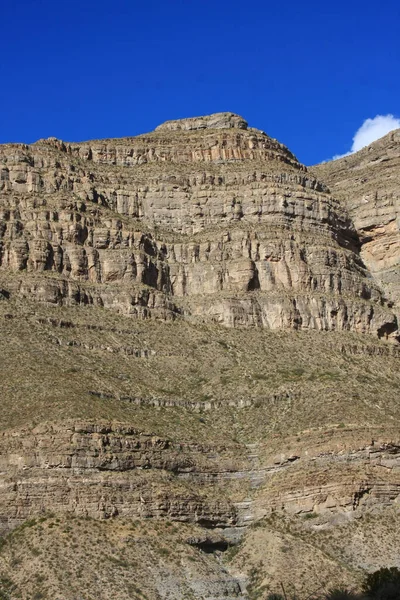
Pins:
x: 222, y: 120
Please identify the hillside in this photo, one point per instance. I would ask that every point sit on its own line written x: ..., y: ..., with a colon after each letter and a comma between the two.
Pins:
x: 199, y: 366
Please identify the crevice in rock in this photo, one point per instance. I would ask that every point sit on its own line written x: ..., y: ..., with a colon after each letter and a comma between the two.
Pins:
x: 209, y: 545
x: 387, y: 329
x: 358, y: 495
x: 254, y: 283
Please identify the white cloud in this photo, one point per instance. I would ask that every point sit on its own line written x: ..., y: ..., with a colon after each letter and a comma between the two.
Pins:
x: 371, y: 130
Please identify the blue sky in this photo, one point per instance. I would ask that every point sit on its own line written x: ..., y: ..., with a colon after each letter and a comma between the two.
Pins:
x: 308, y: 73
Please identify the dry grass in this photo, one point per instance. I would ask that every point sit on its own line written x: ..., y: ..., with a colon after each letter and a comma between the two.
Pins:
x: 69, y: 558
x: 307, y: 559
x: 87, y: 368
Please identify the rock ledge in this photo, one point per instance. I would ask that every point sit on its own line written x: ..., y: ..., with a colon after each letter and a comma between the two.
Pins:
x: 224, y: 120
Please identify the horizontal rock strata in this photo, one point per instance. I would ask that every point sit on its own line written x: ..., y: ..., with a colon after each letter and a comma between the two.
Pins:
x: 102, y: 471
x: 369, y: 183
x: 203, y: 219
x: 202, y: 225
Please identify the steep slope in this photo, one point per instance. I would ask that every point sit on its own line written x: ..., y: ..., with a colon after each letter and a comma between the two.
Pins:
x: 192, y: 346
x: 218, y: 225
x: 369, y: 184
x: 85, y: 558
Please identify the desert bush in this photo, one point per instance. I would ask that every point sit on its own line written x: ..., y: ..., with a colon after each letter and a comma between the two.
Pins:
x: 383, y: 584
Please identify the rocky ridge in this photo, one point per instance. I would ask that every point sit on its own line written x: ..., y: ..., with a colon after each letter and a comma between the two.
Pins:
x: 368, y: 182
x: 208, y: 220
x: 133, y: 392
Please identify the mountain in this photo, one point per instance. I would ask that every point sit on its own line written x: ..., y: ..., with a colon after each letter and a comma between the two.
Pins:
x: 368, y: 184
x: 199, y: 365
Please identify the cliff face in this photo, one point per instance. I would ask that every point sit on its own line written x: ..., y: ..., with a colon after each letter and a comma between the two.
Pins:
x: 194, y: 340
x: 368, y: 184
x: 204, y: 218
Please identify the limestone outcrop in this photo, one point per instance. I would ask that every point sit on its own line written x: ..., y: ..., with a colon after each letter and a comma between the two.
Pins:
x: 204, y: 219
x: 216, y: 121
x: 369, y: 182
x: 103, y: 470
x: 194, y: 352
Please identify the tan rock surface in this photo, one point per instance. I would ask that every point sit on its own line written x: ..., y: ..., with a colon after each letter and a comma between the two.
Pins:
x: 369, y: 183
x: 253, y: 394
x: 201, y: 218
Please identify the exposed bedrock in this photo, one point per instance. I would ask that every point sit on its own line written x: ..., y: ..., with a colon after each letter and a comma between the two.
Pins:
x: 369, y: 184
x: 105, y: 471
x: 204, y: 218
x: 110, y: 470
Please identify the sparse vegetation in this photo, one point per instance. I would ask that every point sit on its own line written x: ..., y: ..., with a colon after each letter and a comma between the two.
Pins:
x: 278, y: 396
x: 229, y: 423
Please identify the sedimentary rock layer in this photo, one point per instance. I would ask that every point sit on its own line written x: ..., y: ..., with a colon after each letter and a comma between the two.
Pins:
x: 369, y: 184
x: 204, y: 224
x: 203, y: 218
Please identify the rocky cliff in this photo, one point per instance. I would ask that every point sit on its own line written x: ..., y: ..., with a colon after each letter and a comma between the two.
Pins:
x: 368, y: 184
x: 195, y: 360
x: 203, y: 218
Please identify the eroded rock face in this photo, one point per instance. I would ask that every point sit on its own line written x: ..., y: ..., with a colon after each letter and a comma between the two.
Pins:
x: 369, y: 183
x: 203, y: 218
x: 216, y: 121
x: 205, y: 221
x: 336, y: 486
x: 102, y: 470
